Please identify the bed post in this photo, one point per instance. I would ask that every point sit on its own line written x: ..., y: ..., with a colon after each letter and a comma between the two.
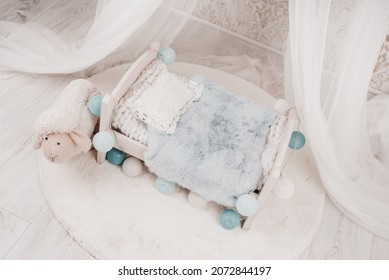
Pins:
x: 107, y: 107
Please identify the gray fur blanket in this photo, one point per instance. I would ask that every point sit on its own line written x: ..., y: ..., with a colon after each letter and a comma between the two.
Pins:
x: 216, y: 149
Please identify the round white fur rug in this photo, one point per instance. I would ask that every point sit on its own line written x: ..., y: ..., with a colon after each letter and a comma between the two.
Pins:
x: 117, y: 217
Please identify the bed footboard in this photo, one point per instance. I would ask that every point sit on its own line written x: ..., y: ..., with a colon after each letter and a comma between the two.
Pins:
x: 275, y: 172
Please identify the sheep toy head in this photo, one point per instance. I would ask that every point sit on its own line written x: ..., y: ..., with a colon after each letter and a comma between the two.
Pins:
x: 60, y: 147
x: 64, y: 130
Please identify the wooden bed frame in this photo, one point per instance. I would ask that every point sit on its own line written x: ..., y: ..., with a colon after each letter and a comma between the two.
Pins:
x: 136, y: 149
x: 122, y: 142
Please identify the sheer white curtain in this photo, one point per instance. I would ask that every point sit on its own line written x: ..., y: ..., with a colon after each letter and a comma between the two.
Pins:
x: 332, y: 106
x: 378, y: 127
x: 119, y: 27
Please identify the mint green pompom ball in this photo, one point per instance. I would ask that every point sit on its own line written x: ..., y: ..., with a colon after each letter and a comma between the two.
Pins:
x: 297, y: 140
x: 116, y: 157
x: 167, y: 55
x: 229, y: 219
x: 94, y: 105
x: 164, y: 186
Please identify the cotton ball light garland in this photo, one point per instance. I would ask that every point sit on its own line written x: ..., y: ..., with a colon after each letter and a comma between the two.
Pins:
x: 132, y: 167
x: 167, y: 55
x: 297, y: 140
x: 284, y: 188
x: 103, y: 141
x: 229, y: 219
x: 246, y: 205
x: 116, y: 157
x: 94, y: 105
x: 164, y: 186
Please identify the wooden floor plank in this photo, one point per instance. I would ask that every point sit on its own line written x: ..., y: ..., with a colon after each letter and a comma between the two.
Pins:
x: 23, y: 97
x: 326, y: 240
x: 68, y: 18
x: 356, y: 242
x: 45, y: 239
x: 380, y: 249
x: 23, y: 10
x: 20, y: 191
x: 11, y: 228
x: 304, y: 254
x: 339, y: 238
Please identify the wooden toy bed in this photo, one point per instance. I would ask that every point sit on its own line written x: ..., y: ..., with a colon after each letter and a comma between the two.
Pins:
x: 136, y: 149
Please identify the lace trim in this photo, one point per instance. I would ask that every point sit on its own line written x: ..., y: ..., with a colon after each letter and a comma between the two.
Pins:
x: 161, y: 98
x: 273, y: 141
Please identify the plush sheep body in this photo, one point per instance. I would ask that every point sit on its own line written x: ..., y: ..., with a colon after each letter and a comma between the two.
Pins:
x: 67, y: 122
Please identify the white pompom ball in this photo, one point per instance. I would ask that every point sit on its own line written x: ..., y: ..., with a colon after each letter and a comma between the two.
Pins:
x: 196, y: 200
x: 281, y: 105
x: 247, y: 205
x: 284, y: 188
x: 132, y: 167
x: 103, y: 141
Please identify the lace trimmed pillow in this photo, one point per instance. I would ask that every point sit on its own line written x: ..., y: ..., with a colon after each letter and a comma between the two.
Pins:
x: 124, y: 118
x: 161, y: 98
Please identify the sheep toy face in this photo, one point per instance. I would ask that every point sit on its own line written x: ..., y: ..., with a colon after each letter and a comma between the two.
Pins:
x: 64, y: 130
x: 60, y: 147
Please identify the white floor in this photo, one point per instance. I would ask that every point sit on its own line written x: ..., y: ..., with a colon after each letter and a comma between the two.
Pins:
x: 28, y: 229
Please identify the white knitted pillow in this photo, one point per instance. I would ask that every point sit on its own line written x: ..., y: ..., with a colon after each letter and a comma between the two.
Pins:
x: 124, y: 118
x: 162, y: 98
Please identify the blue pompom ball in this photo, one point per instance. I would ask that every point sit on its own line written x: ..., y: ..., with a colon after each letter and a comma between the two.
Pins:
x: 116, y: 157
x: 297, y: 140
x: 167, y: 55
x: 164, y: 186
x: 94, y: 105
x: 103, y: 141
x: 229, y: 219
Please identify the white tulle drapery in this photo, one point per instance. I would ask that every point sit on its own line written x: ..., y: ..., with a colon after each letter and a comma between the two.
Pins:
x: 378, y: 127
x: 332, y: 106
x: 118, y: 25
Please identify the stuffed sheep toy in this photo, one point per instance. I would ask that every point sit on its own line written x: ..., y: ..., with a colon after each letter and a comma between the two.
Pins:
x: 64, y: 130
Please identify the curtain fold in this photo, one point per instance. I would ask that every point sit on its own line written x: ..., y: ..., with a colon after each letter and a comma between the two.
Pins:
x: 120, y: 29
x: 332, y: 106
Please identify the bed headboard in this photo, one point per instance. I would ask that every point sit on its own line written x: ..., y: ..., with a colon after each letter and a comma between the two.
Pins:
x: 128, y: 79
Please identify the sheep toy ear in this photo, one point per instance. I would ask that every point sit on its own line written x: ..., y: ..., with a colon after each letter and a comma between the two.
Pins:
x: 81, y: 140
x: 37, y: 141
